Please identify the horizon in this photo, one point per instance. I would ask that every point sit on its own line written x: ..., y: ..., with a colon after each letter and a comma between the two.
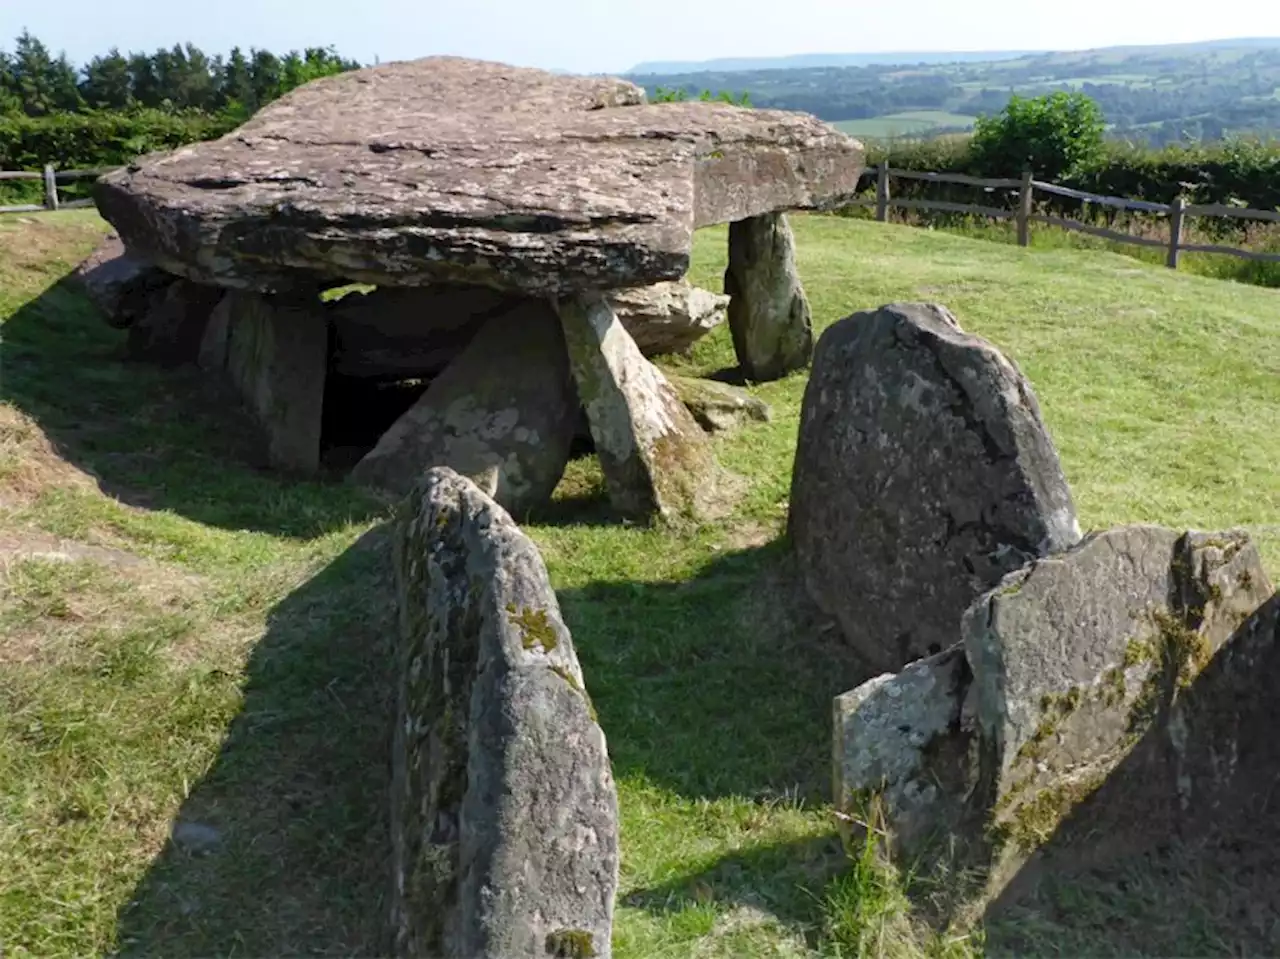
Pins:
x: 568, y: 35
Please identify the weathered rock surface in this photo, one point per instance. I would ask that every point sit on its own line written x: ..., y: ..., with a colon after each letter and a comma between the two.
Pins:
x: 719, y: 407
x: 655, y: 457
x: 393, y: 333
x: 122, y: 285
x: 170, y: 332
x: 1129, y: 658
x: 769, y: 314
x: 275, y: 353
x: 668, y: 317
x: 454, y: 170
x: 923, y: 475
x: 503, y: 414
x: 1079, y: 656
x: 901, y: 738
x: 504, y: 812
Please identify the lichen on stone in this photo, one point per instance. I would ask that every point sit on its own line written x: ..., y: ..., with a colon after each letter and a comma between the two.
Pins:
x: 535, y: 628
x: 570, y: 944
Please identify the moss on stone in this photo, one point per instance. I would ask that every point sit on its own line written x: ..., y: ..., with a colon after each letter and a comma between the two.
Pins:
x: 571, y: 944
x: 1054, y: 708
x: 1187, y: 651
x: 1034, y: 822
x: 535, y: 627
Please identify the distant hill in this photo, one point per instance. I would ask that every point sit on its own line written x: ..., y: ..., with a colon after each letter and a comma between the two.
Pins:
x: 816, y: 60
x: 810, y: 61
x: 1152, y: 94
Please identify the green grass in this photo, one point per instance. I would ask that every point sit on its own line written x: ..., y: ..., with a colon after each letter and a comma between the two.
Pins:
x: 908, y: 123
x: 220, y: 654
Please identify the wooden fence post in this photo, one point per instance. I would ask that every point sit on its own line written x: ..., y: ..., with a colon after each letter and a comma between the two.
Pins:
x: 1176, y: 209
x: 50, y: 188
x: 1025, y: 198
x: 882, y: 192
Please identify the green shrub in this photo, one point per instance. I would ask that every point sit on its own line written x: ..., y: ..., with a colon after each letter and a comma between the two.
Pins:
x: 1053, y: 136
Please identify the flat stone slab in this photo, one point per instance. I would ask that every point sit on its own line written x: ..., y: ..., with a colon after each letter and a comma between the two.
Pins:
x: 503, y: 415
x: 453, y: 170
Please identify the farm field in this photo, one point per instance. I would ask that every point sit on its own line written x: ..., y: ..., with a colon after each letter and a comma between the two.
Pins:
x: 190, y: 638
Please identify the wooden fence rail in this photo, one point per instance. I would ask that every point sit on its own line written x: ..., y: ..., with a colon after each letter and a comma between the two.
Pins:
x: 51, y: 177
x: 1024, y: 215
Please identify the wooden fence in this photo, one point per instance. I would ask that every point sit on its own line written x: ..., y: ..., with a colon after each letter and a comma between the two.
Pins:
x: 51, y: 178
x: 1025, y: 214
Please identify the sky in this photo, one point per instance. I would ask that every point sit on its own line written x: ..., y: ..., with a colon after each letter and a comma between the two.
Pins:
x: 610, y: 36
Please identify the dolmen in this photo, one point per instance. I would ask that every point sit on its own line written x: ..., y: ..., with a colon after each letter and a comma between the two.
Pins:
x: 522, y: 231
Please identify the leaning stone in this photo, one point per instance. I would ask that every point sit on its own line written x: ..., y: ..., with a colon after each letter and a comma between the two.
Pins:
x: 121, y: 284
x: 1080, y: 656
x: 923, y: 475
x: 171, y: 331
x: 719, y: 407
x: 506, y: 408
x: 446, y: 170
x: 503, y: 807
x: 668, y: 317
x: 900, y: 740
x: 276, y: 353
x: 401, y: 334
x: 768, y: 312
x: 655, y: 457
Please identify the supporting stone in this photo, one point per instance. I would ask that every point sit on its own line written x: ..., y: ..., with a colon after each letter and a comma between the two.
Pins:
x: 768, y: 311
x: 503, y: 414
x: 170, y: 331
x: 275, y: 354
x: 121, y: 284
x: 504, y: 813
x: 655, y: 457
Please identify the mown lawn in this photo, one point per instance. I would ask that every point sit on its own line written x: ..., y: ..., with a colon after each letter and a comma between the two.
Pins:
x: 189, y: 637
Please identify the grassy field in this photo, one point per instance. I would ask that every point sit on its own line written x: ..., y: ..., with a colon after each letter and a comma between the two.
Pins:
x: 909, y: 123
x: 191, y: 639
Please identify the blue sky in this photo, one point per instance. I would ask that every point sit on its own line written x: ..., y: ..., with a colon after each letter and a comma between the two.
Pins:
x: 612, y: 36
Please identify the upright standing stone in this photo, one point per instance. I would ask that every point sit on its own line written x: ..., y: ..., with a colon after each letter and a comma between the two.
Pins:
x: 923, y: 475
x: 506, y: 404
x: 655, y: 457
x: 768, y: 311
x: 275, y: 353
x: 504, y: 812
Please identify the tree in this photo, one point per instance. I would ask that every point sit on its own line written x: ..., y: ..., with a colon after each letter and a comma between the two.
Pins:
x: 107, y: 83
x: 1053, y: 136
x: 237, y: 82
x: 41, y: 83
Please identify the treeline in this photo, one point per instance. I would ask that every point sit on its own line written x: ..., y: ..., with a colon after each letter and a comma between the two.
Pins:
x: 34, y: 83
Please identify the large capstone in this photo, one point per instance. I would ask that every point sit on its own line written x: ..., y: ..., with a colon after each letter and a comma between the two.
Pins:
x: 924, y: 473
x: 463, y: 171
x: 503, y: 414
x: 504, y: 811
x: 1128, y: 665
x: 769, y: 314
x: 655, y: 458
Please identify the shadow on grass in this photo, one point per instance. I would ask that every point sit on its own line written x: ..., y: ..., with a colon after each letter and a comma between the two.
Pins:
x: 717, y: 686
x: 154, y: 438
x: 298, y: 795
x: 1175, y: 853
